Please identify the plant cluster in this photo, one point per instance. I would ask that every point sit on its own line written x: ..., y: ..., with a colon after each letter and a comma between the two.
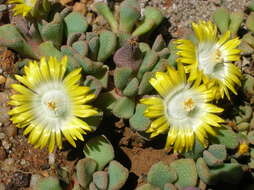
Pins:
x: 73, y: 74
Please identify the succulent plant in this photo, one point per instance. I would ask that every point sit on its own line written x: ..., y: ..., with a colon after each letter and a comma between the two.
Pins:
x: 89, y: 171
x: 96, y: 171
x: 135, y: 64
x: 226, y: 20
x: 185, y: 173
x: 129, y: 14
x: 48, y: 183
x: 85, y: 50
x: 118, y: 66
x: 179, y: 174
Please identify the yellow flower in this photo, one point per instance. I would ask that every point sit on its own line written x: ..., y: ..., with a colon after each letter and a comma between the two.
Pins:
x: 243, y: 148
x: 211, y: 56
x: 51, y: 105
x: 183, y: 110
x: 22, y: 7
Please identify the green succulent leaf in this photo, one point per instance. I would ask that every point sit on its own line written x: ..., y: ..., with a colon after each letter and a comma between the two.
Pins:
x: 121, y: 77
x: 11, y: 38
x: 75, y: 23
x: 153, y: 18
x: 186, y: 172
x: 85, y: 169
x: 222, y: 18
x: 100, y: 149
x: 101, y: 180
x: 161, y: 174
x: 129, y: 15
x: 103, y: 9
x: 236, y: 18
x: 108, y: 44
x: 138, y: 121
x: 118, y: 175
x: 49, y: 183
x: 124, y: 107
x: 132, y: 88
x: 227, y: 137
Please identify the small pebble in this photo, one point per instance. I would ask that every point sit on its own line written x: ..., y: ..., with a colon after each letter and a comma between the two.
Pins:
x: 35, y: 178
x: 3, y: 154
x: 8, y: 164
x: 4, y: 117
x: 2, y: 136
x: 23, y: 162
x: 52, y: 158
x: 6, y: 145
x: 11, y: 131
x: 2, y: 79
x: 21, y: 179
x: 3, y: 97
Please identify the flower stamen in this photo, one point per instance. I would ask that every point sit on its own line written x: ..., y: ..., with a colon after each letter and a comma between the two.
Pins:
x: 52, y: 105
x: 189, y: 104
x: 218, y: 56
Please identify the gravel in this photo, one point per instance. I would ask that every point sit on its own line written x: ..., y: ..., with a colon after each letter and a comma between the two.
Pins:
x: 3, y: 154
x: 181, y: 13
x: 2, y: 136
x: 21, y: 179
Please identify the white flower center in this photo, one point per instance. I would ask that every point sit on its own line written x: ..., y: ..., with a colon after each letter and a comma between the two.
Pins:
x: 52, y: 104
x: 183, y: 106
x: 209, y: 55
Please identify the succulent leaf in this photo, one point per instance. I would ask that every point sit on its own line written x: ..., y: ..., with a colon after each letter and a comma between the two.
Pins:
x: 236, y: 18
x: 118, y: 175
x: 100, y: 149
x: 204, y: 172
x: 103, y: 9
x: 148, y: 63
x: 159, y: 43
x: 222, y: 18
x: 81, y: 47
x: 250, y: 21
x: 94, y: 45
x: 196, y: 152
x: 227, y: 137
x: 153, y: 18
x: 124, y: 107
x: 53, y: 31
x: 108, y: 43
x: 138, y: 121
x: 49, y: 183
x: 144, y: 86
x: 85, y: 169
x: 161, y: 174
x: 132, y: 88
x: 101, y: 179
x: 75, y: 23
x: 186, y: 172
x: 147, y: 186
x: 11, y: 38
